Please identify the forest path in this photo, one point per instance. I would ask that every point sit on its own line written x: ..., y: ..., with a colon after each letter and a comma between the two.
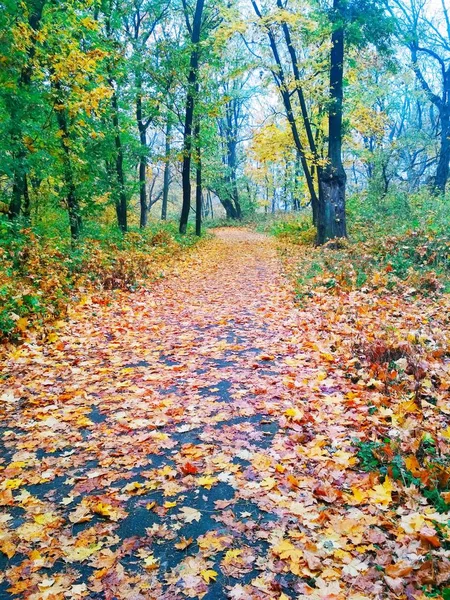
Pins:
x: 190, y: 440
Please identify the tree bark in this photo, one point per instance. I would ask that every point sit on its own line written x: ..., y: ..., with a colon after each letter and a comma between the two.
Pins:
x: 190, y: 103
x: 142, y: 155
x: 20, y: 183
x: 331, y: 217
x: 283, y: 88
x: 231, y: 144
x: 198, y: 186
x: 73, y: 206
x: 121, y: 197
x: 166, y: 180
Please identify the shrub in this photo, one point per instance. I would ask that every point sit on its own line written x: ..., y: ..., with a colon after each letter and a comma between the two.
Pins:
x: 40, y: 274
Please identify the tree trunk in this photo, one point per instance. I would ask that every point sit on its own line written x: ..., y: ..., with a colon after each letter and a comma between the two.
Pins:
x: 231, y: 158
x: 332, y: 179
x: 20, y: 184
x: 190, y: 102
x: 229, y: 207
x: 283, y: 88
x: 142, y: 155
x: 121, y: 198
x: 15, y: 205
x: 26, y: 197
x: 166, y: 181
x: 73, y: 205
x: 442, y: 172
x: 198, y: 186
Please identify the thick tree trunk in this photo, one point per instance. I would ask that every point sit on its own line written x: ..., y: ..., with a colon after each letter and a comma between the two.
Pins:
x: 442, y: 172
x: 230, y: 209
x: 166, y: 180
x: 190, y: 102
x: 331, y: 217
x: 332, y: 179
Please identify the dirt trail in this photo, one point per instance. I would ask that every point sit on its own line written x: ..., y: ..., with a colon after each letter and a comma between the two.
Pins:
x: 191, y: 440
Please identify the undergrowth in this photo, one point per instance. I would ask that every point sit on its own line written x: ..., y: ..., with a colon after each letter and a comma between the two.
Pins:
x: 41, y: 271
x: 390, y: 280
x: 400, y: 241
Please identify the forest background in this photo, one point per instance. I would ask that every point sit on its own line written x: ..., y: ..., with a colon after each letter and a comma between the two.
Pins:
x: 125, y: 123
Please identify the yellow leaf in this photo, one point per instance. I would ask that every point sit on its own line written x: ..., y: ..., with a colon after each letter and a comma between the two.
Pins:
x: 80, y: 553
x: 208, y: 575
x: 52, y: 338
x: 108, y: 511
x: 268, y: 483
x: 13, y: 484
x: 382, y: 494
x: 359, y: 496
x: 151, y: 563
x: 286, y: 549
x: 294, y: 413
x: 8, y: 548
x: 133, y: 486
x: 169, y: 504
x: 45, y: 518
x: 22, y: 324
x: 207, y: 481
x: 446, y: 433
x: 231, y: 554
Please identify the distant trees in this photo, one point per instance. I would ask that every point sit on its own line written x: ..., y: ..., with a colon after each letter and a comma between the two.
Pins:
x: 113, y: 108
x: 425, y: 31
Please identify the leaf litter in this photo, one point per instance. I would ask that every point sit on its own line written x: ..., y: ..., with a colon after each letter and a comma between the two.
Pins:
x: 207, y: 438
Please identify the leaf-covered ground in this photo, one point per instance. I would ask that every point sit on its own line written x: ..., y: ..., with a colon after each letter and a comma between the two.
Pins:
x: 207, y: 438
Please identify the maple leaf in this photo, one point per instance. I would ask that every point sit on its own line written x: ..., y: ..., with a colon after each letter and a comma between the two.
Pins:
x: 382, y: 494
x: 294, y: 413
x: 107, y: 510
x: 287, y: 551
x: 190, y: 514
x: 189, y: 469
x: 207, y: 481
x: 80, y: 553
x: 209, y: 575
x: 151, y: 563
x: 183, y: 543
x: 400, y: 569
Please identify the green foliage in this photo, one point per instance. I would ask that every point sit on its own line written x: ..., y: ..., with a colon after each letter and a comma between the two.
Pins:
x: 298, y: 230
x: 42, y: 274
x: 396, y: 241
x: 386, y: 458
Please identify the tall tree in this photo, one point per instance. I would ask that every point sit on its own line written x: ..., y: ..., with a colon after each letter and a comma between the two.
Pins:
x: 331, y: 222
x: 192, y: 92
